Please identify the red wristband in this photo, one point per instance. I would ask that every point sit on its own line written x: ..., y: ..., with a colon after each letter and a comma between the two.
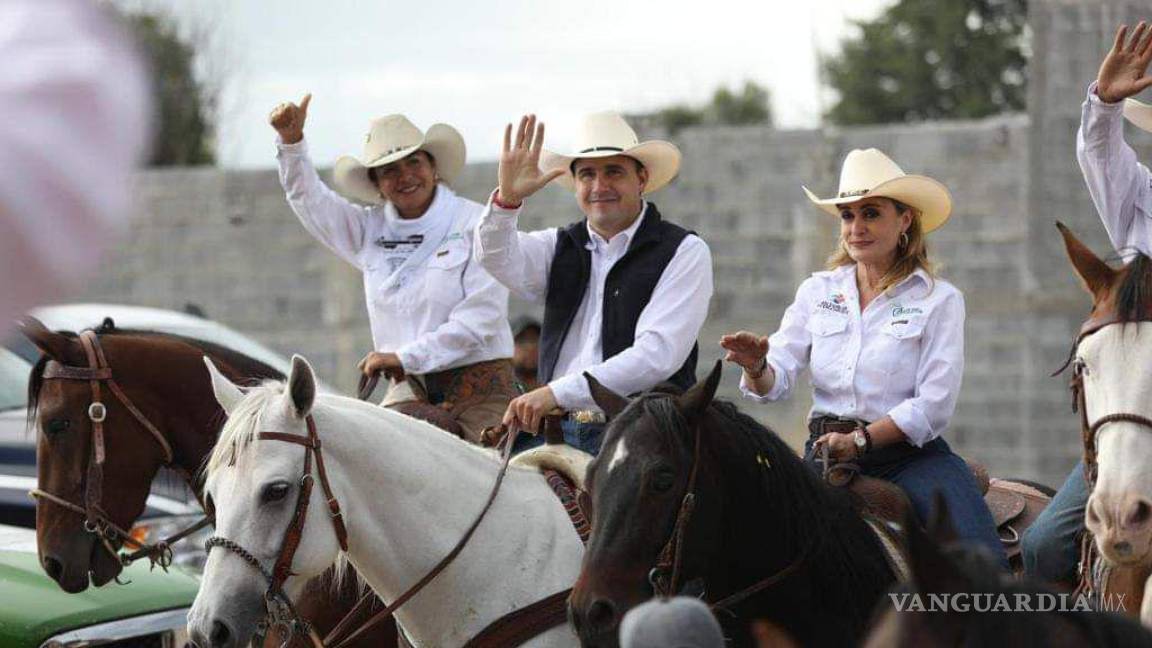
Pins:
x: 502, y: 205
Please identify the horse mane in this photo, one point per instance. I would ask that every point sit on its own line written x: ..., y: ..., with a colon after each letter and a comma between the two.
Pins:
x: 241, y: 427
x: 245, y: 365
x: 1134, y: 295
x: 822, y: 521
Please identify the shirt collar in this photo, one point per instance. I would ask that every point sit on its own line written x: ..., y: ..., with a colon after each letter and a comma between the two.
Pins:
x: 595, y: 240
x: 847, y: 272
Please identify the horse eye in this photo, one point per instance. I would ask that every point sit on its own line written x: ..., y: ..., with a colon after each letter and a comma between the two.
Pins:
x: 56, y: 426
x: 662, y: 479
x: 274, y: 492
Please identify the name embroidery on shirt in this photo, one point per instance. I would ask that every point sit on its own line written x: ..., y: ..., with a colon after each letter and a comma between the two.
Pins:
x: 834, y: 303
x: 903, y: 311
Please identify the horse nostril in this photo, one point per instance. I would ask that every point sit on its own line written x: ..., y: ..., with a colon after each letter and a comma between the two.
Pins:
x: 1122, y: 548
x: 220, y: 634
x: 1139, y: 514
x: 602, y: 615
x: 54, y: 568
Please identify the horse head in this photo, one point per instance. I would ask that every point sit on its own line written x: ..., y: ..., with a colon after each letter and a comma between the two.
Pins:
x: 72, y: 506
x: 640, y: 485
x: 1111, y: 365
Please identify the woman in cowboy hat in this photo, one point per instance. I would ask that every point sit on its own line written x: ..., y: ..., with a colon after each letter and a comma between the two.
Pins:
x: 439, y: 322
x: 884, y: 340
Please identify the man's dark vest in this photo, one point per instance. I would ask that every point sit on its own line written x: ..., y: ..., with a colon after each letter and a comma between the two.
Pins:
x: 627, y: 290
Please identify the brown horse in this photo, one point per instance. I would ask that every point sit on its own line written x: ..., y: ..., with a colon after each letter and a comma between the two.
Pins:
x: 960, y: 597
x: 163, y: 377
x: 688, y: 491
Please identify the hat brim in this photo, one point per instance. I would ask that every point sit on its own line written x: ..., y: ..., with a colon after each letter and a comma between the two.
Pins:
x: 444, y: 143
x: 1138, y: 113
x: 926, y: 195
x: 661, y: 159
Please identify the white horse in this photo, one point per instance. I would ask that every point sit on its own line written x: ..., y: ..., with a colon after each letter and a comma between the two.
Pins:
x: 408, y: 492
x: 1115, y: 365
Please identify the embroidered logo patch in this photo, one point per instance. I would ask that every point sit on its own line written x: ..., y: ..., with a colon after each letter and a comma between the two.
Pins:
x: 902, y: 311
x: 834, y: 303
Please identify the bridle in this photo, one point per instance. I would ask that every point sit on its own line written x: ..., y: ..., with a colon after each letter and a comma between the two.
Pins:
x: 665, y: 576
x: 279, y: 608
x: 96, y: 520
x: 1090, y: 430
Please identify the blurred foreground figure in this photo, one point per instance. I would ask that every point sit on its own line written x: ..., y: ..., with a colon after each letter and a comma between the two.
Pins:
x: 76, y: 117
x: 679, y: 622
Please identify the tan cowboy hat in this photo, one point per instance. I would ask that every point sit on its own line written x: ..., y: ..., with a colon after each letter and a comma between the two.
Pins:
x: 605, y: 134
x: 868, y: 172
x: 393, y: 138
x: 1138, y: 113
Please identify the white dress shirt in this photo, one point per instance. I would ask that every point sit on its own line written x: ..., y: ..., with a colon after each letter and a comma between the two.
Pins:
x: 1120, y: 186
x: 450, y: 313
x: 902, y: 357
x: 665, y: 332
x: 76, y: 105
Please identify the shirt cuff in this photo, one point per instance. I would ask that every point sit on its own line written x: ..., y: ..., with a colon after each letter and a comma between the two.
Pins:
x: 913, y: 423
x: 1097, y: 103
x: 299, y: 148
x: 414, y: 357
x: 571, y: 392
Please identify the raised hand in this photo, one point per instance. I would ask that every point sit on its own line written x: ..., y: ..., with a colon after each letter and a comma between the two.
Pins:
x: 288, y: 119
x: 1124, y: 71
x: 745, y: 349
x: 520, y: 174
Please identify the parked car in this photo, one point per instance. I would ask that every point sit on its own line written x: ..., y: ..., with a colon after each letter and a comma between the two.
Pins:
x: 151, y: 609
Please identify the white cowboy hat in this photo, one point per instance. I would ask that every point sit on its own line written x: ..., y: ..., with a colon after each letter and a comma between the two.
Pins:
x: 605, y: 134
x: 393, y: 138
x: 1138, y: 113
x: 868, y: 172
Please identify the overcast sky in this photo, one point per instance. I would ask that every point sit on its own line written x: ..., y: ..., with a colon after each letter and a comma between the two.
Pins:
x: 477, y: 65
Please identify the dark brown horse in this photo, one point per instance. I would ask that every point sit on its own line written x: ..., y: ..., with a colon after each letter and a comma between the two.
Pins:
x: 163, y: 376
x: 959, y: 596
x: 757, y: 517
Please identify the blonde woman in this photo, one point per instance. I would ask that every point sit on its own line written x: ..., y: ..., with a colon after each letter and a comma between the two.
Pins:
x: 884, y: 340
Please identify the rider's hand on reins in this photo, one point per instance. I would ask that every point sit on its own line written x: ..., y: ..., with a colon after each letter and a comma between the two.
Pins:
x: 288, y: 119
x: 527, y: 412
x: 387, y: 364
x: 841, y: 447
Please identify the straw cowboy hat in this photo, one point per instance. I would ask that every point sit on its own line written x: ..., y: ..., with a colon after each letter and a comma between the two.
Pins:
x: 868, y: 172
x: 1138, y: 113
x: 605, y: 134
x: 393, y: 138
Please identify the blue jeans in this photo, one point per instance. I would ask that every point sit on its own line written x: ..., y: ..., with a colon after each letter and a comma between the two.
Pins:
x: 582, y: 436
x: 1049, y: 547
x: 922, y: 472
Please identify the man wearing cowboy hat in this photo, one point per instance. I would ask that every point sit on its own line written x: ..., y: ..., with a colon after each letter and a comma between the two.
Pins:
x: 624, y: 291
x: 1121, y: 189
x: 439, y: 323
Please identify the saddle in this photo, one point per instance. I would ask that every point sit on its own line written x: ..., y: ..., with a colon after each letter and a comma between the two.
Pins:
x: 1014, y: 505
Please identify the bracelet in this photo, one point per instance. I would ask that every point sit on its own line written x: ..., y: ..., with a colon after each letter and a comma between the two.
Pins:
x: 755, y: 375
x: 502, y: 205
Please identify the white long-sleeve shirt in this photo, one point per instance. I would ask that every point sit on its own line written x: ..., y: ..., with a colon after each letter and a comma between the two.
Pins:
x: 902, y: 357
x: 450, y: 313
x: 665, y: 332
x: 76, y: 108
x: 1120, y: 186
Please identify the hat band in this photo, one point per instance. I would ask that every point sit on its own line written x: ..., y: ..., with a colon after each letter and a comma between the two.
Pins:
x: 393, y: 150
x: 849, y: 194
x: 603, y: 148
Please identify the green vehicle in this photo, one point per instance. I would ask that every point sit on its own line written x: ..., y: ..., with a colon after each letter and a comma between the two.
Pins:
x: 148, y: 612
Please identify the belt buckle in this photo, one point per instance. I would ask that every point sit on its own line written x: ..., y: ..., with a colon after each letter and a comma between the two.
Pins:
x: 586, y: 416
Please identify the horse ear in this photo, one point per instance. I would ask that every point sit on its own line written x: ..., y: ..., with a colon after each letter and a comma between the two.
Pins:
x: 606, y: 399
x: 57, y: 346
x: 301, y: 386
x: 932, y: 571
x: 699, y: 397
x: 1095, y: 275
x: 227, y: 393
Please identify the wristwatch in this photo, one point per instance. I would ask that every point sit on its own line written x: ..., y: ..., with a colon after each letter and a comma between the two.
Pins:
x: 859, y: 437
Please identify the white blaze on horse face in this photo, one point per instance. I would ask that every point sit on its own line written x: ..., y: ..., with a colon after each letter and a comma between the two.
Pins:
x: 1117, y: 381
x: 619, y: 454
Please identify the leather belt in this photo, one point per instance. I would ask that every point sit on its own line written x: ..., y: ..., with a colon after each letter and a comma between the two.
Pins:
x: 586, y: 416
x: 834, y: 424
